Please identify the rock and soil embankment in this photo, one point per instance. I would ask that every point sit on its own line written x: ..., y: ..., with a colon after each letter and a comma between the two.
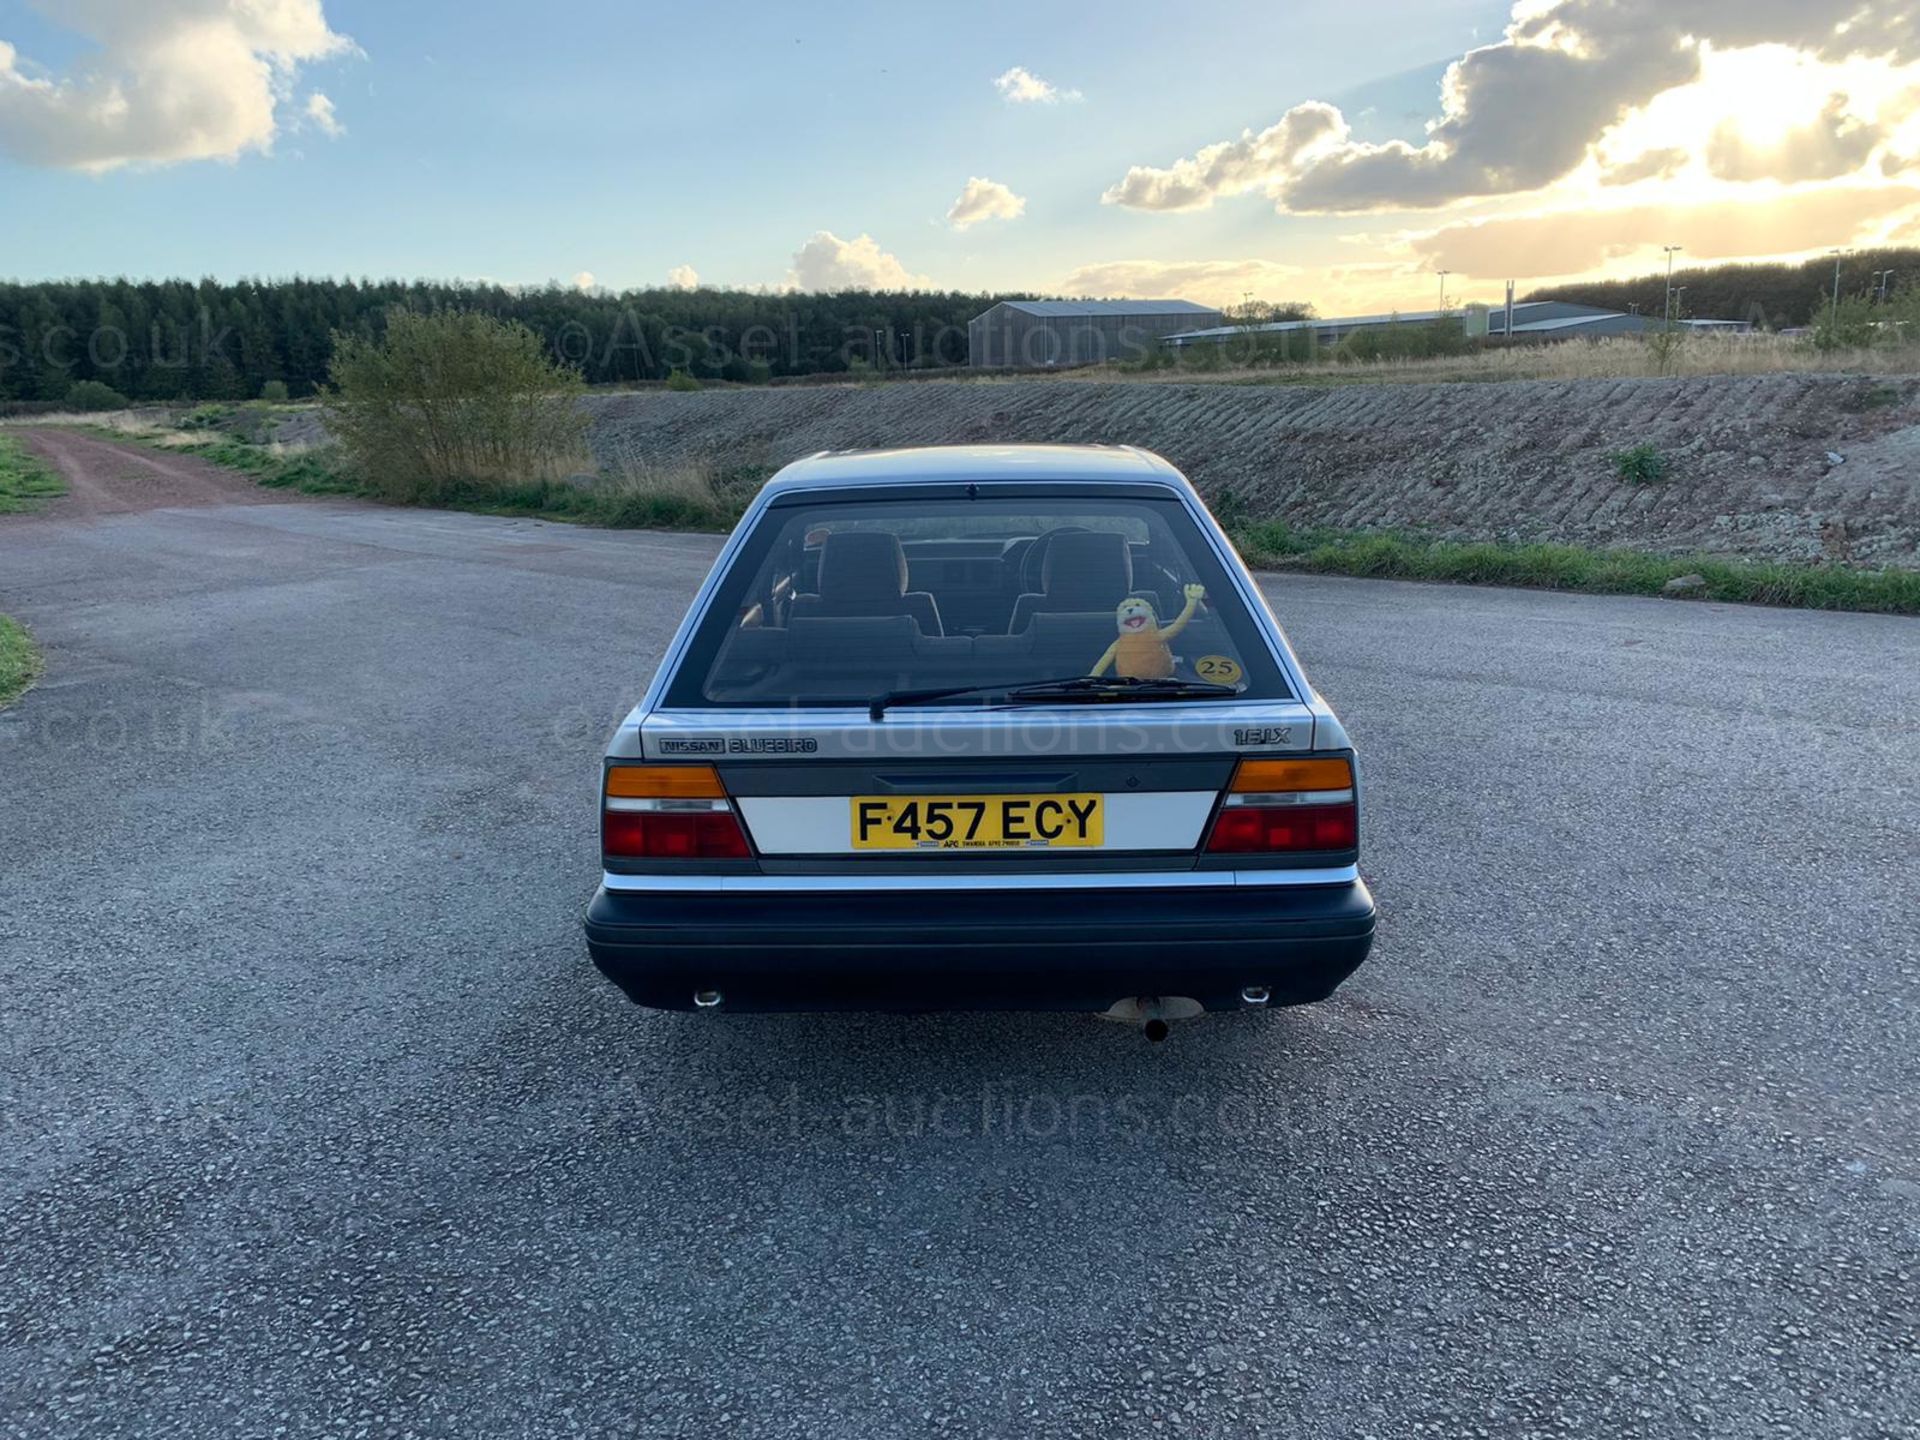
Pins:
x: 1781, y: 467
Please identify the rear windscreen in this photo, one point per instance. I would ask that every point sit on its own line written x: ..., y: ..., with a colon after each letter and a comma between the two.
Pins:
x: 842, y: 601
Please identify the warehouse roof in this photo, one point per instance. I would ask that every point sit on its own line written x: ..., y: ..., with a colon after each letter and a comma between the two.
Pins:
x: 1059, y: 308
x: 1354, y: 322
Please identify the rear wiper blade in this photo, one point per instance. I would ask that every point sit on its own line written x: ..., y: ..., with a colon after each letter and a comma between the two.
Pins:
x: 1070, y: 687
x: 1119, y: 687
x: 883, y: 703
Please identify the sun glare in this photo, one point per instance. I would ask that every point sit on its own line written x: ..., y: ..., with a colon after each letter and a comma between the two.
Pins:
x: 1760, y: 96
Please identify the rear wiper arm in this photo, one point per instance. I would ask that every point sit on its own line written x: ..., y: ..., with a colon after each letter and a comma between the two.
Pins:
x: 1070, y: 687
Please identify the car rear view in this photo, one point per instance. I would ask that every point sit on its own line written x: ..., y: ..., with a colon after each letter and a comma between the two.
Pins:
x: 1003, y: 727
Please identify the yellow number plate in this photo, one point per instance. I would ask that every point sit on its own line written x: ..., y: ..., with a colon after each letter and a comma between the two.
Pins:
x: 977, y: 822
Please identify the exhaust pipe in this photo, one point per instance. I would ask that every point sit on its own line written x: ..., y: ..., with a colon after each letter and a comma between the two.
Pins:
x: 707, y: 999
x: 1152, y: 1012
x: 1255, y: 995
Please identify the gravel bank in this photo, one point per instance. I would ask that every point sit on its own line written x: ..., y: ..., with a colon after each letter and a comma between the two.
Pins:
x: 1751, y: 471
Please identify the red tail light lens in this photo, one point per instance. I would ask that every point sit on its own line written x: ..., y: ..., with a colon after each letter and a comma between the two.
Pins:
x: 672, y: 835
x: 1263, y: 829
x: 1301, y: 803
x: 669, y: 812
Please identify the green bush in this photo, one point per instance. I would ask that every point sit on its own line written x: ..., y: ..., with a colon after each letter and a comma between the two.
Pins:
x: 1640, y: 465
x: 274, y: 392
x: 682, y: 381
x: 1426, y: 340
x: 451, y: 403
x: 93, y: 395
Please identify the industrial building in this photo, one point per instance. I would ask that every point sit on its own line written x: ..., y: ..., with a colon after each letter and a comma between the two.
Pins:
x: 1533, y: 321
x: 1035, y: 334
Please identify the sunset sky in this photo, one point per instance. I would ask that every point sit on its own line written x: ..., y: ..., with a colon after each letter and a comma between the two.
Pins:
x: 1342, y: 155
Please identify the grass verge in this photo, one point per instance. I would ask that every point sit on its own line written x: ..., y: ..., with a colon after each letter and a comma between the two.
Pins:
x: 25, y: 479
x: 19, y: 661
x: 1544, y: 566
x: 310, y: 472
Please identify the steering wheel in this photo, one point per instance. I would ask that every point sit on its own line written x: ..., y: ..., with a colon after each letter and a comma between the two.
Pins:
x: 1033, y: 564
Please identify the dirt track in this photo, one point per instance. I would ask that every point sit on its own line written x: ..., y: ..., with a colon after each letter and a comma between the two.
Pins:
x: 108, y: 479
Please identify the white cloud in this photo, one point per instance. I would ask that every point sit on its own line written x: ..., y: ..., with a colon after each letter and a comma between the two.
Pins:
x: 1020, y: 86
x: 984, y: 199
x: 1232, y: 166
x: 1628, y: 238
x: 1528, y: 110
x: 585, y: 280
x: 683, y: 277
x: 1215, y: 282
x: 1647, y: 165
x: 826, y: 262
x: 320, y: 112
x: 168, y: 81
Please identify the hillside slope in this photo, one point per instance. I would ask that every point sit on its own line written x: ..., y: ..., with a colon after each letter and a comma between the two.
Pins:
x: 1749, y: 466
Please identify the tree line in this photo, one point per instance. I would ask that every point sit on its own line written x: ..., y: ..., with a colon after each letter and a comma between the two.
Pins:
x: 1776, y: 297
x: 185, y: 340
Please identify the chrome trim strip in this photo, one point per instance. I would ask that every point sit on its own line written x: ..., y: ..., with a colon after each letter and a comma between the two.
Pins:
x: 1104, y: 880
x: 1267, y: 799
x: 672, y: 807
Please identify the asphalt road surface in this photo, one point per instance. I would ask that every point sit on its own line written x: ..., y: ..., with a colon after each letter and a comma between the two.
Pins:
x: 318, y: 1122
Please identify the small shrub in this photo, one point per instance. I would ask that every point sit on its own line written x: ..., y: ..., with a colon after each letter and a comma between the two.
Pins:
x: 93, y: 395
x: 681, y: 381
x: 1664, y: 345
x: 1641, y: 465
x: 450, y: 404
x: 274, y: 392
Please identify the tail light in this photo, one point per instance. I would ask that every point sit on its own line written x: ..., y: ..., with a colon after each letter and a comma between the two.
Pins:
x: 669, y: 812
x: 1277, y: 806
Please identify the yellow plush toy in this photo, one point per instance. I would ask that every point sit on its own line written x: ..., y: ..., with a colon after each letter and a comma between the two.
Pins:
x: 1141, y: 652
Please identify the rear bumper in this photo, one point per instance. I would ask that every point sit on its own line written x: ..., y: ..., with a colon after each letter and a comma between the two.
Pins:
x: 1014, y: 949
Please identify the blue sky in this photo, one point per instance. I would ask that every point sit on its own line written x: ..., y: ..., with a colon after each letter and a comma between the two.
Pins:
x: 620, y: 140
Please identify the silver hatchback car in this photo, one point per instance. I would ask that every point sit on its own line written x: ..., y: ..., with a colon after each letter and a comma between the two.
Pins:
x: 984, y: 727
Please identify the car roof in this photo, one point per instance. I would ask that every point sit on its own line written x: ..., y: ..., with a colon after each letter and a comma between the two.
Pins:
x: 1093, y: 464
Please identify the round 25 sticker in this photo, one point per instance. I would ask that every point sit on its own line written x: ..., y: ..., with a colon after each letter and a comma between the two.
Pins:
x: 1218, y: 669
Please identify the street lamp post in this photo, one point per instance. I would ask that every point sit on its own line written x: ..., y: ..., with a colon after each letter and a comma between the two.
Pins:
x: 1833, y: 313
x: 1443, y: 290
x: 1666, y: 319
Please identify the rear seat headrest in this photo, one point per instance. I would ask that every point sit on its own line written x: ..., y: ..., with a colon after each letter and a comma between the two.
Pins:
x: 862, y: 565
